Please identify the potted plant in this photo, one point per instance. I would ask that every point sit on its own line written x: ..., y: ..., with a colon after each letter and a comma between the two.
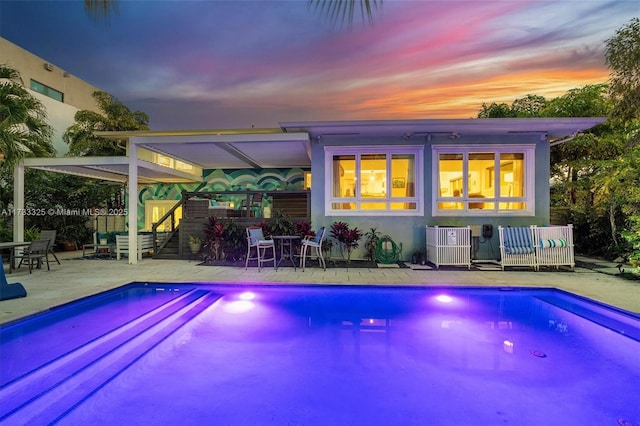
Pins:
x: 281, y: 223
x: 214, y: 230
x: 371, y: 243
x: 351, y: 240
x: 195, y: 243
x: 348, y: 238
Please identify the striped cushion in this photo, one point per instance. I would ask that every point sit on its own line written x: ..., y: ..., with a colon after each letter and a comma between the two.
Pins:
x: 560, y: 242
x: 517, y: 241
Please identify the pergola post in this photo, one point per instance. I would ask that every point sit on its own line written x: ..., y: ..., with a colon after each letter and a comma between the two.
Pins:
x: 132, y: 210
x: 18, y: 202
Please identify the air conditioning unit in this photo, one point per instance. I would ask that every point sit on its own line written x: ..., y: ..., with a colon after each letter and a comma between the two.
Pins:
x: 48, y: 66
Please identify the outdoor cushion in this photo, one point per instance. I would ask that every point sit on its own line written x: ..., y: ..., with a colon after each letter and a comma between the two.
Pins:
x: 257, y: 237
x: 517, y: 241
x: 559, y: 242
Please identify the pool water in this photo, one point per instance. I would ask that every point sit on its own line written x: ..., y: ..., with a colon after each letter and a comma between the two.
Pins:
x: 331, y: 355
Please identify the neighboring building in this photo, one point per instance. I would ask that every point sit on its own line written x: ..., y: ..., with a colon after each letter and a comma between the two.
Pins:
x: 60, y: 92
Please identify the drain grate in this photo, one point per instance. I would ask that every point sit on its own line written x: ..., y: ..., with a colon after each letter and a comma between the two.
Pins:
x: 537, y: 353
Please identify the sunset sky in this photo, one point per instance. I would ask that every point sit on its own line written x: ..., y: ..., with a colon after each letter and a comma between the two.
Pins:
x: 226, y: 64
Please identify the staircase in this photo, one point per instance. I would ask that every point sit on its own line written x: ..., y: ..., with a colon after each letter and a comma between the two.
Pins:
x: 170, y: 250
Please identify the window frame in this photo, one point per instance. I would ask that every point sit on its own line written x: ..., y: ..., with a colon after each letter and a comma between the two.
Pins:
x: 45, y: 90
x: 529, y: 198
x: 416, y: 150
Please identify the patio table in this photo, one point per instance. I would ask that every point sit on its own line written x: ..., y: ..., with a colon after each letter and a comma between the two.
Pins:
x: 287, y: 245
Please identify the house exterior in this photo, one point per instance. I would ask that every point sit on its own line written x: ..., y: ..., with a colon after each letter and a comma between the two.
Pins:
x: 396, y: 176
x: 400, y: 176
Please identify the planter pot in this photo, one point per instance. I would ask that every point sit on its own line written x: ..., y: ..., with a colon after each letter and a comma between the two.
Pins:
x: 68, y: 246
x: 195, y: 247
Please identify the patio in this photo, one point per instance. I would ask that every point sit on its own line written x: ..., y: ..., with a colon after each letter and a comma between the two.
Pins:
x: 76, y: 278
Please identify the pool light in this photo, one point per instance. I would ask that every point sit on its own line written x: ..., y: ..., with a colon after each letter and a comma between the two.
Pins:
x: 443, y: 298
x: 247, y: 295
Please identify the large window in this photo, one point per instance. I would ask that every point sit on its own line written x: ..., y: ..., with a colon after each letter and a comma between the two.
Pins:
x: 46, y: 90
x: 370, y: 180
x: 483, y: 180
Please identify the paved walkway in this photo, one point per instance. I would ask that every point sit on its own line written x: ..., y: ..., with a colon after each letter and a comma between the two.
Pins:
x: 75, y: 278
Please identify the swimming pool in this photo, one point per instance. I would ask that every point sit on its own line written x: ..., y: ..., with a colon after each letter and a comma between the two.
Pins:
x: 322, y: 355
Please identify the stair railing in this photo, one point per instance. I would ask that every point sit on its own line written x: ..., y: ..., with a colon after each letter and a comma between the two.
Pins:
x: 173, y: 229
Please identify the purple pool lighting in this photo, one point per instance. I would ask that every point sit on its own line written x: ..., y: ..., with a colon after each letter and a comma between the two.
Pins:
x: 443, y: 298
x: 180, y: 354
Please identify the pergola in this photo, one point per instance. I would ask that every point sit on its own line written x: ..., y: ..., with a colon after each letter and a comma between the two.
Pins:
x: 200, y: 150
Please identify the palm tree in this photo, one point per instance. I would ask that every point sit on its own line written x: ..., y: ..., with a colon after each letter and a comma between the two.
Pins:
x: 345, y: 10
x: 100, y: 9
x: 24, y: 131
x: 115, y: 117
x: 334, y: 10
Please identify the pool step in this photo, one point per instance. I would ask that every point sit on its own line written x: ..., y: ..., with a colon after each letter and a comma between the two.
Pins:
x: 51, y: 391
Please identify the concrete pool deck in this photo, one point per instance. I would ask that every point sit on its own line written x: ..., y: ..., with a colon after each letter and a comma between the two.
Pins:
x: 75, y: 278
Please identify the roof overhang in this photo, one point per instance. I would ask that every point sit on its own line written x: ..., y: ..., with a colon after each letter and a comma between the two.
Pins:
x: 553, y: 128
x: 113, y: 169
x: 226, y: 149
x: 284, y: 147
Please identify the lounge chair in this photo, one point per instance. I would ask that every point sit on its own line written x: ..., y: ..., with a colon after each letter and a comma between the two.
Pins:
x: 554, y: 246
x: 256, y: 240
x: 517, y: 247
x: 34, y: 254
x: 316, y: 244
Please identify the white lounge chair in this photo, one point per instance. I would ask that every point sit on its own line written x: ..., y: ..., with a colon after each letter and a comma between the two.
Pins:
x: 517, y: 247
x: 554, y: 246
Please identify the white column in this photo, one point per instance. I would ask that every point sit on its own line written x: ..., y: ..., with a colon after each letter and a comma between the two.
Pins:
x: 132, y: 210
x: 18, y: 202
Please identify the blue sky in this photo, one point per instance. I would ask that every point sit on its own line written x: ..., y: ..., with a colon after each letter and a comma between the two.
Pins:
x: 227, y: 64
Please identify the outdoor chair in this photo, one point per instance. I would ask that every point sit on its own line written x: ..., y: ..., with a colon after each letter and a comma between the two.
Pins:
x: 517, y: 247
x: 34, y: 254
x: 51, y: 236
x: 554, y: 246
x: 316, y: 244
x: 257, y: 241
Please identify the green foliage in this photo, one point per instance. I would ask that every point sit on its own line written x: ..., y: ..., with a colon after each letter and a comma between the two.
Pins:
x: 633, y: 238
x: 281, y: 224
x: 24, y: 131
x: 588, y: 101
x: 346, y: 237
x: 6, y: 233
x: 622, y: 56
x: 529, y: 106
x: 495, y: 111
x: 224, y: 239
x: 31, y: 234
x: 115, y: 116
x: 303, y: 229
x: 371, y: 241
x: 235, y: 241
